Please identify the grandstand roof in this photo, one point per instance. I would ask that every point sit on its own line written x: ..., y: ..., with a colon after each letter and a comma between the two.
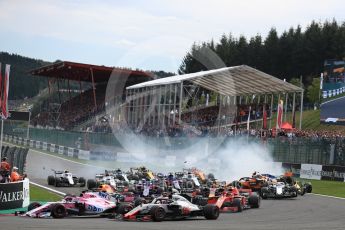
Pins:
x: 236, y: 80
x: 81, y: 72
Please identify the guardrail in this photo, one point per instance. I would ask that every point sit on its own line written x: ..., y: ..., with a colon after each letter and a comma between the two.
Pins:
x: 333, y: 92
x: 53, y: 148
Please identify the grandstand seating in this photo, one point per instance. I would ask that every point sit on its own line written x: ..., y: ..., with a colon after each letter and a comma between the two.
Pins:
x: 75, y: 110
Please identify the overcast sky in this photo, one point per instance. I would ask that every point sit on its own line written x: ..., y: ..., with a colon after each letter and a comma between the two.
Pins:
x: 146, y: 34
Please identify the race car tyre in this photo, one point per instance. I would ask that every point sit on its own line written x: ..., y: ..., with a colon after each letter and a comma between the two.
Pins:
x: 33, y: 205
x: 51, y: 180
x: 159, y: 190
x: 238, y: 204
x: 125, y: 183
x: 210, y: 176
x: 211, y: 212
x: 236, y: 184
x: 91, y: 184
x: 264, y: 191
x: 254, y: 201
x: 58, y: 211
x: 157, y: 213
x: 57, y: 182
x: 303, y: 191
x: 124, y: 208
x: 294, y: 192
x: 133, y: 177
x: 309, y: 188
x: 81, y: 181
x: 138, y: 201
x: 189, y: 185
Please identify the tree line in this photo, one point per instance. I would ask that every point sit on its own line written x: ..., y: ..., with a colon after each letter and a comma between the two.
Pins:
x: 290, y: 55
x: 22, y: 83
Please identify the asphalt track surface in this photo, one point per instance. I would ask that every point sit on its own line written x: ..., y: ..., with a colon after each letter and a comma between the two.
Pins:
x: 333, y: 109
x: 39, y: 167
x: 307, y: 212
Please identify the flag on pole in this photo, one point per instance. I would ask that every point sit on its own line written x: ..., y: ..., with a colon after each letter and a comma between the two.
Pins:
x: 5, y: 87
x: 264, y: 117
x: 280, y: 114
x: 250, y: 108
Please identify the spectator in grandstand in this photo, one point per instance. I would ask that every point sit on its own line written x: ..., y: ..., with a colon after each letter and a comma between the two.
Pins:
x: 4, y: 170
x: 15, y: 176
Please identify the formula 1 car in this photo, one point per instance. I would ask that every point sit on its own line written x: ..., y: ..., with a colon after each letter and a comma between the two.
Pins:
x: 65, y: 179
x: 174, y: 207
x: 140, y: 173
x: 235, y: 200
x: 88, y: 203
x: 301, y: 187
x: 254, y: 183
x: 101, y: 179
x: 187, y: 181
x: 279, y: 190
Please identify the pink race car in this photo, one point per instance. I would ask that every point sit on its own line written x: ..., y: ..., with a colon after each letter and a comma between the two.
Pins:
x: 88, y: 203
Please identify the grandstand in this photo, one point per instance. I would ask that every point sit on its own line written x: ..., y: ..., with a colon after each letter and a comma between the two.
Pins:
x: 89, y: 81
x: 208, y: 100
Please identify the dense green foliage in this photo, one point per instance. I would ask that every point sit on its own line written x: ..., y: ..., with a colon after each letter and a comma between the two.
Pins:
x: 22, y: 84
x: 290, y: 55
x: 162, y: 74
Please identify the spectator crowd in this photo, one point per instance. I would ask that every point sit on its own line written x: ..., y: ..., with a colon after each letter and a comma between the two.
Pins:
x: 8, y: 174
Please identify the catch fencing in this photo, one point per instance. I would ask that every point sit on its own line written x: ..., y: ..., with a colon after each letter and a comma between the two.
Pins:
x: 16, y: 156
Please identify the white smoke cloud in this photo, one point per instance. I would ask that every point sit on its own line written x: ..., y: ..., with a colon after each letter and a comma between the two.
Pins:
x: 228, y: 160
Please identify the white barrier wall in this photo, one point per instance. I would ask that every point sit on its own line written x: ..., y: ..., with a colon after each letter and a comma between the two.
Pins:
x: 311, y: 171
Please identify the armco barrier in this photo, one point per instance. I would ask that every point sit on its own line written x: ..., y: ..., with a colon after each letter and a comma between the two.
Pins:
x: 332, y: 89
x: 294, y: 153
x: 61, y: 150
x: 14, y: 195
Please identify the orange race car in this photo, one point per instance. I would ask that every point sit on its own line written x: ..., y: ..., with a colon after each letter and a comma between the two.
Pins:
x: 255, y: 183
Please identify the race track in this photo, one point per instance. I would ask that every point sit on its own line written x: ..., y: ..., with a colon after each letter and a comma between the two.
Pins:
x: 307, y: 212
x: 40, y: 165
x: 333, y: 109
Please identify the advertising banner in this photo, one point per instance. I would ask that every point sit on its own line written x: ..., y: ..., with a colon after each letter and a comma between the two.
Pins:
x: 336, y: 173
x: 14, y: 195
x: 311, y: 171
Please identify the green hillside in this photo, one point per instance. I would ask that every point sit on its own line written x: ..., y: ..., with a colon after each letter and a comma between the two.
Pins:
x: 22, y: 84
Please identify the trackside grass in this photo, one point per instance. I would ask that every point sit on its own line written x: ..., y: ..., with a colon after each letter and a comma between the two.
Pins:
x: 40, y: 194
x: 330, y: 188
